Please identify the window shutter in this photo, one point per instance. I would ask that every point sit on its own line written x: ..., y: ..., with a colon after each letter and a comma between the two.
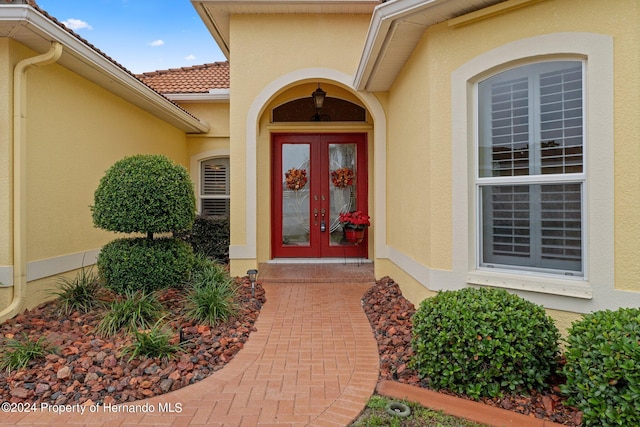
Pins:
x: 510, y: 127
x: 561, y: 226
x: 215, y: 177
x: 214, y: 191
x: 215, y: 207
x: 506, y: 212
x: 561, y: 120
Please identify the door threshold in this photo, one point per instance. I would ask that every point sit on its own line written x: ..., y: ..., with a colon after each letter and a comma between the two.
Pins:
x: 319, y: 261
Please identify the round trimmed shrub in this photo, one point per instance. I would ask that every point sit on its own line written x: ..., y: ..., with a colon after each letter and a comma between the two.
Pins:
x: 140, y: 264
x: 603, y: 367
x: 146, y: 194
x: 483, y: 342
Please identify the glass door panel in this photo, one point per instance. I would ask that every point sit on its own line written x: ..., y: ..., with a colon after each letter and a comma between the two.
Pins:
x: 342, y: 187
x: 295, y: 175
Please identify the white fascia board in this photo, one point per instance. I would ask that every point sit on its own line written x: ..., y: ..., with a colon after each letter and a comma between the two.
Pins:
x: 220, y: 35
x: 383, y: 23
x: 90, y: 64
x: 213, y: 96
x: 381, y: 27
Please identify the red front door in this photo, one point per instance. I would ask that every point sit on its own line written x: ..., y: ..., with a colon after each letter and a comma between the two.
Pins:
x: 315, y: 178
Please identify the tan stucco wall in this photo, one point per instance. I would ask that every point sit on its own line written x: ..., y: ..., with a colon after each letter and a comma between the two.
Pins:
x: 265, y: 48
x: 421, y: 97
x: 217, y: 138
x: 75, y: 131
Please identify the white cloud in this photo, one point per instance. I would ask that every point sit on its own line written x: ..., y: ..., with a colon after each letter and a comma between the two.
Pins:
x: 77, y: 24
x: 190, y: 57
x: 156, y: 43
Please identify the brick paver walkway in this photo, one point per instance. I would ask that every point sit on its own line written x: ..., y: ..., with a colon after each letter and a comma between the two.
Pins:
x: 312, y: 361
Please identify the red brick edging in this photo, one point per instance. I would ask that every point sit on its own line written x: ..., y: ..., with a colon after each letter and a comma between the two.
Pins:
x: 462, y: 408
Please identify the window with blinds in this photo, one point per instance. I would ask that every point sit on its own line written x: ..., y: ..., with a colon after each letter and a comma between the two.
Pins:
x: 530, y: 176
x: 214, y: 187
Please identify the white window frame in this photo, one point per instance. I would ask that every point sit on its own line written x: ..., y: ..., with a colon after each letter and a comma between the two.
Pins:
x: 530, y: 179
x: 196, y: 175
x: 596, y: 50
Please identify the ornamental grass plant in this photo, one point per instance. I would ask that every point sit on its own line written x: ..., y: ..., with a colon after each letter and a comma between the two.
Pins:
x: 213, y: 295
x: 131, y: 312
x: 153, y: 342
x: 18, y: 353
x: 81, y: 293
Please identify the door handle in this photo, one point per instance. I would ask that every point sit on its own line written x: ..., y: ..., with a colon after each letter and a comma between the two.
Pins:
x: 315, y: 217
x: 323, y: 226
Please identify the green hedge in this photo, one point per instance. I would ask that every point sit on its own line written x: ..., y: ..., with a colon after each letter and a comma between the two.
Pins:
x: 142, y: 264
x: 603, y: 367
x: 145, y: 194
x: 483, y: 342
x: 209, y: 236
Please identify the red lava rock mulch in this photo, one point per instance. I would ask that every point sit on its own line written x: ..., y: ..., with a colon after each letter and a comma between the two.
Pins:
x: 390, y: 316
x: 89, y: 369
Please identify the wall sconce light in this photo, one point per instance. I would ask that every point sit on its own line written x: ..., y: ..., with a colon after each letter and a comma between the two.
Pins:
x: 318, y: 97
x: 253, y: 276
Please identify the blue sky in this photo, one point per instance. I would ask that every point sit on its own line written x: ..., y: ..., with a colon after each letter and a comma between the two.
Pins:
x: 142, y: 35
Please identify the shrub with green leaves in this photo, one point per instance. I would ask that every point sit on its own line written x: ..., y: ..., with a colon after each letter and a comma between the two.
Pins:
x: 603, y: 367
x: 483, y: 342
x: 154, y: 342
x: 210, y: 236
x: 144, y: 264
x: 82, y: 293
x: 17, y: 354
x: 136, y: 310
x: 146, y: 194
x: 212, y: 297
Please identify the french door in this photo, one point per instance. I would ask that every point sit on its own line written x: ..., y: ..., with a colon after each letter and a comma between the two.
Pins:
x: 316, y: 177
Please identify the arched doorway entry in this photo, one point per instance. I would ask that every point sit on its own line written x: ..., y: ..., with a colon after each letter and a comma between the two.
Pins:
x: 318, y: 171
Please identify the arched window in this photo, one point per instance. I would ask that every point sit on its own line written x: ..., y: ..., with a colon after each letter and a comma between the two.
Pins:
x: 214, y: 186
x: 531, y: 168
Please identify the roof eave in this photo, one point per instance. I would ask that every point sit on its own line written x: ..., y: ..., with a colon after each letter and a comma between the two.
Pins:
x: 31, y: 28
x: 216, y: 13
x: 395, y: 30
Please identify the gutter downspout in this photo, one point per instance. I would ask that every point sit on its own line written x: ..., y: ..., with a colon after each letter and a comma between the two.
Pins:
x: 20, y: 174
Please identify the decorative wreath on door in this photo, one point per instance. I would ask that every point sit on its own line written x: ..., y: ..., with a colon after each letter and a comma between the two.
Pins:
x: 342, y: 178
x: 296, y: 179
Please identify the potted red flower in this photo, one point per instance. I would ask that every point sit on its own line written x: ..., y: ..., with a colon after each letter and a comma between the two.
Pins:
x: 354, y: 224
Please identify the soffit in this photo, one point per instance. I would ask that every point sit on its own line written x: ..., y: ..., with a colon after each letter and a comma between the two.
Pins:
x: 36, y: 29
x: 395, y: 30
x: 216, y: 13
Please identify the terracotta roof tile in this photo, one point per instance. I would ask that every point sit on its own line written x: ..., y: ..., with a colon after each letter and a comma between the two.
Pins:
x: 196, y: 79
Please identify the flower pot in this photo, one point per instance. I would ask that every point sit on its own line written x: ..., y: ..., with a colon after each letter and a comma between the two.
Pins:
x: 353, y: 234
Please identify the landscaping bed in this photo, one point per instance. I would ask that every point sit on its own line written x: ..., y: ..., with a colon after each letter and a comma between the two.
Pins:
x: 90, y: 369
x: 390, y: 315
